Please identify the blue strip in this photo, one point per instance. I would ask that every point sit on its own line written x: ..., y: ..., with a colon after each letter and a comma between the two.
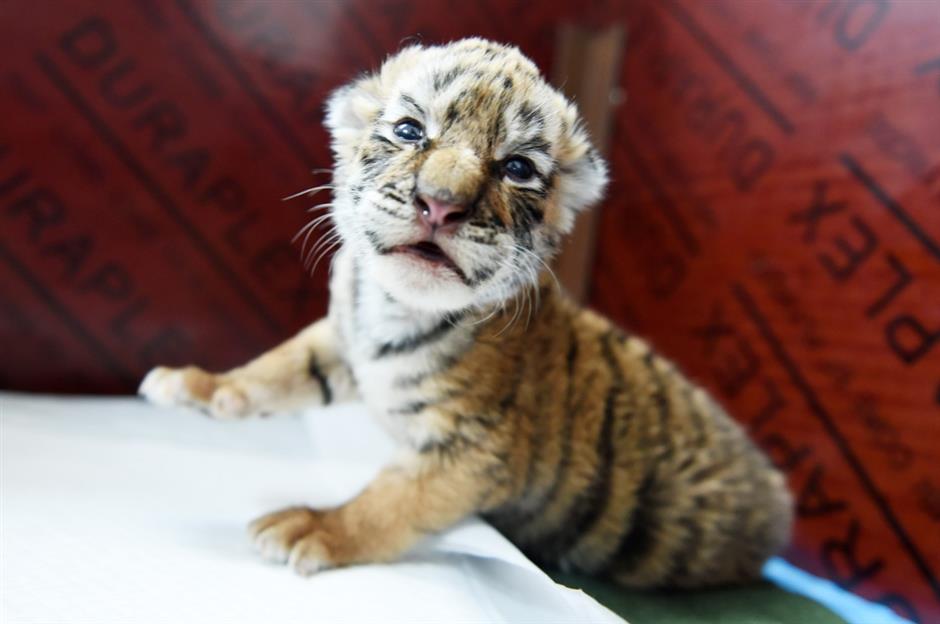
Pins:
x: 851, y: 608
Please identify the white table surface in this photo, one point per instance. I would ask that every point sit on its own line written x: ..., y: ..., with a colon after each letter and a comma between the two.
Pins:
x: 115, y: 511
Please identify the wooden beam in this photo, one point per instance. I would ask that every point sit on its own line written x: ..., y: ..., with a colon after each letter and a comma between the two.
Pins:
x: 586, y: 65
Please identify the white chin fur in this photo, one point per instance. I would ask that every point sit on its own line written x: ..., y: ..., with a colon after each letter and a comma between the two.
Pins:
x: 424, y: 287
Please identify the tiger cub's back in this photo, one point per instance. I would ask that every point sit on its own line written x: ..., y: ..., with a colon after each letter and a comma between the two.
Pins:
x: 630, y: 470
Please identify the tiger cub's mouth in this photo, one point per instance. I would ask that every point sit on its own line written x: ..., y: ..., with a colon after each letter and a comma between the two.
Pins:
x: 431, y: 253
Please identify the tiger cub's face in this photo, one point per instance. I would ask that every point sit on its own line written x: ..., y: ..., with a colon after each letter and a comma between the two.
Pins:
x: 458, y: 170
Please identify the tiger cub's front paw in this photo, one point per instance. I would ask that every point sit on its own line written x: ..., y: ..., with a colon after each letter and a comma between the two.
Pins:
x: 194, y: 387
x: 296, y: 536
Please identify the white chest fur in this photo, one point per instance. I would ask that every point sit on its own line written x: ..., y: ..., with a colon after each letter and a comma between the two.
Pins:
x: 393, y: 350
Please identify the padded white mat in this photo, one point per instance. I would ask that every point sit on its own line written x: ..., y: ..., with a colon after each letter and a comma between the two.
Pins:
x: 115, y: 511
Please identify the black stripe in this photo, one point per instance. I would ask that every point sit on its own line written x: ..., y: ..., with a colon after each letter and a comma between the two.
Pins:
x: 533, y: 212
x: 371, y: 165
x: 561, y: 471
x: 481, y: 275
x: 522, y: 229
x: 530, y: 115
x: 355, y: 193
x: 451, y: 117
x: 391, y: 191
x: 607, y: 351
x: 571, y: 360
x: 488, y: 239
x: 738, y: 528
x: 452, y: 444
x: 314, y: 369
x: 485, y: 420
x: 521, y: 517
x: 509, y: 399
x: 686, y: 552
x: 564, y: 459
x: 443, y: 80
x: 373, y: 237
x: 497, y: 133
x: 537, y: 435
x: 410, y: 409
x: 497, y: 478
x: 535, y: 144
x: 591, y: 502
x: 445, y: 364
x: 697, y: 418
x: 662, y: 405
x: 376, y: 242
x: 478, y: 276
x: 385, y: 141
x: 412, y: 343
x: 526, y: 213
x: 540, y: 192
x: 414, y: 104
x: 640, y: 538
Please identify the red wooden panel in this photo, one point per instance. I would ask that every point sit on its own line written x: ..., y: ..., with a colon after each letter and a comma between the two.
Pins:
x: 774, y: 225
x: 144, y: 149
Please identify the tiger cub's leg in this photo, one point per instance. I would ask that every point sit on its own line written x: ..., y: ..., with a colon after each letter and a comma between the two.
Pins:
x: 402, y: 504
x: 303, y: 370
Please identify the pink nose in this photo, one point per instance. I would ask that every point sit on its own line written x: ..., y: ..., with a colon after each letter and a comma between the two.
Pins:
x: 436, y: 214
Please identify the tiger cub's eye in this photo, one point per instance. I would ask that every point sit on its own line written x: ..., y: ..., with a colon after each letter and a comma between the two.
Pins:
x: 519, y: 168
x: 409, y: 130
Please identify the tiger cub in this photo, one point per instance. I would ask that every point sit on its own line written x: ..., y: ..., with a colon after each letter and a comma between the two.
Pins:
x: 458, y: 171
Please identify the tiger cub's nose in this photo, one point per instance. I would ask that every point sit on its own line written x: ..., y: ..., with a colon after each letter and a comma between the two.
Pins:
x: 440, y: 215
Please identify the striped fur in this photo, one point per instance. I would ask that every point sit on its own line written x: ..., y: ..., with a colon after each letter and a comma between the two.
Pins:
x: 587, y: 449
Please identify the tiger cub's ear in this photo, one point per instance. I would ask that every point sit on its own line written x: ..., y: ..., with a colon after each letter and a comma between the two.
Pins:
x: 351, y: 109
x: 582, y: 176
x: 349, y: 112
x: 584, y: 181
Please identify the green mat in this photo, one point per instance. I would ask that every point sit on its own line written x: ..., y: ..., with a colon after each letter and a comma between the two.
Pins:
x: 760, y: 603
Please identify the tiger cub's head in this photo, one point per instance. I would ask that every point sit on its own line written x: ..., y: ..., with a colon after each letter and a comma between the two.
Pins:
x: 458, y: 170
